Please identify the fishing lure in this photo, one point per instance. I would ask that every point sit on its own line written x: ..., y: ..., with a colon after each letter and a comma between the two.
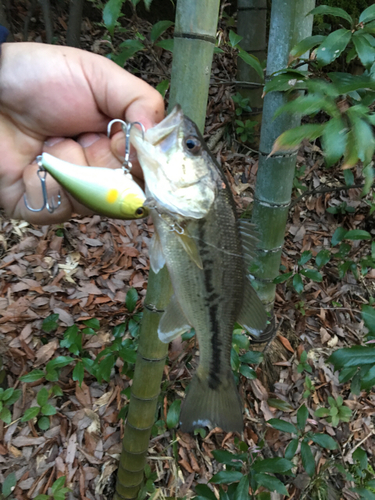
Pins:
x: 106, y: 191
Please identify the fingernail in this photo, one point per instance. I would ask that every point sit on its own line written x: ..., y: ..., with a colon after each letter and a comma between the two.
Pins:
x: 86, y: 140
x: 51, y: 141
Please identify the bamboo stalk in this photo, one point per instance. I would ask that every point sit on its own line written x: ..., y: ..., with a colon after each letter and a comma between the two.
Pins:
x: 73, y: 33
x: 192, y: 58
x: 289, y: 24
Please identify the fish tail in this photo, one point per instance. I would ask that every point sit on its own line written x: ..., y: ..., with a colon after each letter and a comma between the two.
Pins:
x: 208, y: 407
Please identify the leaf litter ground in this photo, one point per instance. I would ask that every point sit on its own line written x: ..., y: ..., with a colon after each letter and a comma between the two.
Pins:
x: 84, y: 268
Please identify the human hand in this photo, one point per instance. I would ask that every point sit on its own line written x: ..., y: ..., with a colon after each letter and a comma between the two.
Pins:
x: 49, y: 94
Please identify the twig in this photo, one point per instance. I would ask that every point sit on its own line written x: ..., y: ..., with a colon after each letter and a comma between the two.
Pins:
x: 325, y: 190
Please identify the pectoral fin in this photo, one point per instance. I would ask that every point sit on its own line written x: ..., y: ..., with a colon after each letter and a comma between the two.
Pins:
x: 190, y: 248
x: 253, y: 316
x: 157, y: 259
x: 173, y: 322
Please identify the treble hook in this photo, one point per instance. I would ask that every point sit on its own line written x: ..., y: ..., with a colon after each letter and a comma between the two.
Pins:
x: 126, y: 128
x: 42, y: 173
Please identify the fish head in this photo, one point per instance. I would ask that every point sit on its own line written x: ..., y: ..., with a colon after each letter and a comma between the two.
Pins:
x: 179, y: 171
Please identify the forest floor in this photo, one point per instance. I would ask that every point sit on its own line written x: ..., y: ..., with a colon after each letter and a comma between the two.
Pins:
x: 83, y: 269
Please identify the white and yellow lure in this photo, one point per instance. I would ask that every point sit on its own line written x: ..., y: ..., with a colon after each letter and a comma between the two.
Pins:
x: 106, y: 191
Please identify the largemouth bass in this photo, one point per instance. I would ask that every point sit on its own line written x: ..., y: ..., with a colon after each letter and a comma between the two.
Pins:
x: 198, y: 237
x: 106, y: 191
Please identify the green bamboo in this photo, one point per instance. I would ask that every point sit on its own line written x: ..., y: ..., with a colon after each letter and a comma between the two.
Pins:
x: 251, y: 25
x: 289, y: 24
x: 192, y: 58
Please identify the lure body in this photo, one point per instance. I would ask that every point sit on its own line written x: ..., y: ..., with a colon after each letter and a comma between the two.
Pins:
x: 106, y: 191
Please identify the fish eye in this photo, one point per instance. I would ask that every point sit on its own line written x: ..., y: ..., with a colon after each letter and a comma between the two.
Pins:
x: 140, y: 211
x: 193, y: 145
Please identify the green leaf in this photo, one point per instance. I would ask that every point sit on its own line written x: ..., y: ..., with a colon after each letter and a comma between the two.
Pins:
x: 357, y: 234
x: 50, y: 323
x: 58, y: 484
x: 282, y: 425
x: 312, y: 274
x: 306, y: 44
x: 279, y: 404
x: 78, y: 373
x: 159, y: 28
x: 368, y: 316
x: 271, y: 483
x: 248, y: 372
x: 43, y: 423
x: 33, y: 376
x: 362, y: 133
x: 323, y: 257
x: 291, y: 449
x: 131, y: 299
x: 349, y: 177
x: 234, y: 39
x: 241, y: 340
x: 251, y: 61
x: 10, y: 396
x: 325, y: 441
x: 30, y: 413
x: 111, y: 13
x: 338, y: 235
x: 129, y: 355
x: 166, y: 44
x: 321, y: 412
x: 48, y: 410
x: 42, y: 396
x: 173, y: 415
x: 59, y: 362
x: 360, y: 456
x: 305, y: 257
x: 272, y: 465
x: 226, y: 477
x: 334, y: 140
x: 162, y: 87
x: 302, y: 415
x: 42, y: 497
x: 367, y: 15
x: 282, y: 278
x: 9, y: 483
x: 292, y: 138
x: 70, y: 336
x: 308, y: 461
x: 234, y: 360
x: 93, y: 323
x: 105, y: 367
x: 228, y: 458
x: 128, y: 49
x: 52, y: 376
x: 333, y: 46
x: 205, y: 492
x: 242, y: 490
x: 332, y: 11
x: 365, y: 50
x: 297, y: 283
x: 5, y: 415
x: 251, y: 357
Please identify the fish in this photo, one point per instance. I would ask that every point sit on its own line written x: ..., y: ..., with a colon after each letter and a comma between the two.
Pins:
x: 106, y: 191
x: 206, y: 250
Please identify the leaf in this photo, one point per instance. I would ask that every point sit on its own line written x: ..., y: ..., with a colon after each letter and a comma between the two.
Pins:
x: 226, y: 477
x: 166, y: 44
x: 273, y: 465
x: 338, y: 235
x: 279, y: 404
x: 43, y: 423
x: 128, y: 49
x: 325, y: 441
x: 240, y: 340
x: 321, y: 412
x: 58, y: 484
x: 158, y: 29
x: 306, y: 44
x: 204, y: 491
x: 334, y: 140
x: 5, y: 415
x: 367, y: 15
x: 10, y: 396
x: 173, y: 415
x: 292, y: 138
x: 291, y: 449
x: 332, y: 11
x: 32, y: 376
x: 360, y: 456
x: 9, y: 483
x: 365, y: 50
x: 312, y: 274
x: 129, y: 355
x: 105, y: 367
x: 111, y: 13
x: 50, y: 323
x: 93, y: 323
x: 368, y: 316
x: 30, y: 413
x: 357, y: 234
x: 305, y: 257
x: 78, y: 373
x: 228, y: 458
x: 131, y: 299
x: 271, y: 483
x: 302, y: 415
x: 59, y: 362
x: 322, y: 258
x: 251, y: 61
x: 333, y: 46
x: 308, y: 461
x: 282, y: 425
x: 234, y: 39
x: 251, y: 357
x: 297, y: 283
x: 42, y: 396
x: 282, y: 278
x: 70, y: 336
x: 162, y: 87
x: 242, y: 490
x: 248, y: 372
x: 48, y: 410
